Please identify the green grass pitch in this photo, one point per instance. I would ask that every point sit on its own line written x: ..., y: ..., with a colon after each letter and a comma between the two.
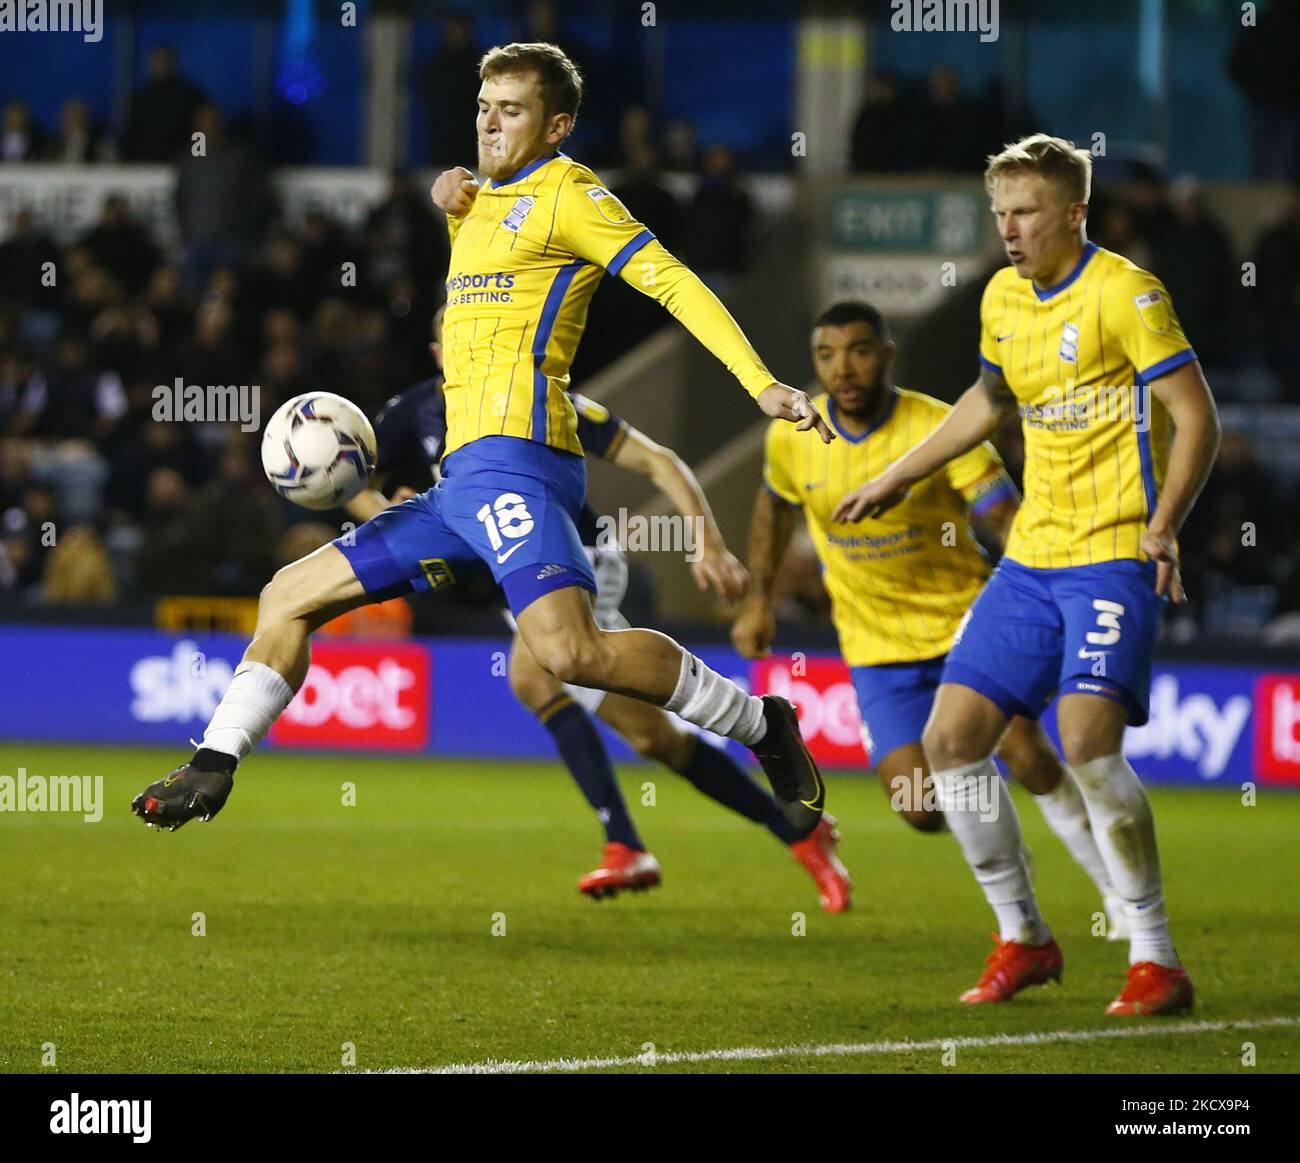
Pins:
x: 373, y: 925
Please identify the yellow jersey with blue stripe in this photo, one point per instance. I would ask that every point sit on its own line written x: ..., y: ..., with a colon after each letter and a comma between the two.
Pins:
x: 900, y: 583
x: 1079, y: 357
x: 525, y: 261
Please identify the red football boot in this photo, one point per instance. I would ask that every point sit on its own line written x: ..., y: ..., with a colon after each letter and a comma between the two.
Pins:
x: 1012, y: 967
x: 816, y: 852
x: 622, y: 868
x: 1153, y: 990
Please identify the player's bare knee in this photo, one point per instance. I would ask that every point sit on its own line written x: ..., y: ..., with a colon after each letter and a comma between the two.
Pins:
x: 1082, y: 746
x: 946, y: 747
x: 571, y: 659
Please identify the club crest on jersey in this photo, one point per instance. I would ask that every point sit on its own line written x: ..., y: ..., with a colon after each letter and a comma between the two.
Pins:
x: 611, y: 209
x: 1153, y: 309
x: 518, y: 212
x: 1070, y: 343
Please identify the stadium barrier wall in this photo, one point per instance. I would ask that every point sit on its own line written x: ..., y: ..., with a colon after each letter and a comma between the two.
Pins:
x: 1211, y: 724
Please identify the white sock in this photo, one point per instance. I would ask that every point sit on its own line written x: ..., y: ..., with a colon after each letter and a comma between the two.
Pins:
x: 1125, y: 834
x: 717, y: 704
x: 256, y: 697
x: 1067, y: 815
x: 979, y: 810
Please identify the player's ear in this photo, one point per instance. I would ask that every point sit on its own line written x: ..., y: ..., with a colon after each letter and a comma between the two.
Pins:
x: 561, y: 127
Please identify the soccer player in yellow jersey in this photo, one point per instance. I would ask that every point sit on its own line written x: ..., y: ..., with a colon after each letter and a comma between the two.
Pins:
x: 1120, y: 434
x: 899, y: 583
x: 528, y: 249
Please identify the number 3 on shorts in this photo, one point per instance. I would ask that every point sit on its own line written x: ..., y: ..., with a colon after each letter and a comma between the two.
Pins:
x: 1108, y: 616
x: 507, y: 516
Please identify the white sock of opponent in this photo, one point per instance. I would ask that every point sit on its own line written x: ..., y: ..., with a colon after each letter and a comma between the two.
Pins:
x: 717, y: 704
x: 256, y: 697
x: 980, y: 813
x: 1125, y: 834
x: 1067, y: 815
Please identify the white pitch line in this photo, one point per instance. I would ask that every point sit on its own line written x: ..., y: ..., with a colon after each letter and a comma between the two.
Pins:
x: 843, y: 1049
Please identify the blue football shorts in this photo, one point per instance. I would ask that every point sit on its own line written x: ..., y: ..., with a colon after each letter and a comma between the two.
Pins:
x: 503, y: 504
x: 1087, y: 629
x: 894, y: 701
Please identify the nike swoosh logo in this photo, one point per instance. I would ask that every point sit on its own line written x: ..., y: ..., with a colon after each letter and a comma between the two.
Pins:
x: 501, y: 557
x: 818, y: 485
x: 1004, y: 338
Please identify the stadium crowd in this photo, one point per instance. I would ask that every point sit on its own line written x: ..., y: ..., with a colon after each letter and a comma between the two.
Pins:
x: 100, y: 500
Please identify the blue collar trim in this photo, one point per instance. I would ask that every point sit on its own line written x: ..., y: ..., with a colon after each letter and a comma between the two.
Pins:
x: 1088, y: 251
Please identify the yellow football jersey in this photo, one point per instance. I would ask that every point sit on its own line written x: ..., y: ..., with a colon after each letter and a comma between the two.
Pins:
x: 899, y: 583
x: 1079, y: 357
x: 525, y: 261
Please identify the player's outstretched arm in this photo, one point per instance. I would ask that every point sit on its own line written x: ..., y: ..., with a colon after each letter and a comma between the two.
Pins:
x: 717, y: 566
x: 975, y: 417
x: 769, y: 538
x: 1195, y: 417
x: 655, y: 272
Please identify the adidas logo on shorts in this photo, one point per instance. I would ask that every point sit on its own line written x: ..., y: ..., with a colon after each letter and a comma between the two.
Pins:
x: 550, y: 571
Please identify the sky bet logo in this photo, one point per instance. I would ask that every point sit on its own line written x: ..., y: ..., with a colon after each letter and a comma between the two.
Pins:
x: 493, y: 288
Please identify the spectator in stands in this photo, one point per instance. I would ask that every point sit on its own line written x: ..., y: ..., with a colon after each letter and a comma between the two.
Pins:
x: 162, y: 111
x: 681, y: 147
x: 20, y: 140
x: 155, y: 444
x: 223, y: 201
x: 1192, y: 256
x: 642, y: 190
x: 213, y: 354
x: 164, y: 563
x: 15, y: 384
x: 950, y: 132
x: 79, y: 139
x: 234, y: 523
x: 403, y: 239
x: 880, y: 138
x: 121, y: 245
x: 1265, y: 64
x: 170, y: 306
x: 1277, y: 259
x: 77, y: 570
x: 452, y: 88
x: 719, y: 223
x: 23, y: 256
x: 280, y: 282
x: 74, y: 399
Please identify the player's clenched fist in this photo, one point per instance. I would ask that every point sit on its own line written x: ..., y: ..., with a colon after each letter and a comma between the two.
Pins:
x: 753, y: 631
x: 454, y: 191
x: 783, y: 402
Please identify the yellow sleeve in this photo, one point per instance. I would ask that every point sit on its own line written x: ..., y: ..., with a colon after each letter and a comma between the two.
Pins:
x: 595, y: 225
x: 778, y: 472
x: 655, y: 272
x: 970, y: 473
x: 990, y: 356
x: 1138, y: 315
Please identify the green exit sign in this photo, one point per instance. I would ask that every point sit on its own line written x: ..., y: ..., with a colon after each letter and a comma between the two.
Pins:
x: 925, y: 221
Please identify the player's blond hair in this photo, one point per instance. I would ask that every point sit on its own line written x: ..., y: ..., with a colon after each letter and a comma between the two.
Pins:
x: 1056, y: 160
x: 557, y: 76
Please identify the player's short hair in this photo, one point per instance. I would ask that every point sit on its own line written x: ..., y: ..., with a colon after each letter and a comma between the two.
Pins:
x: 1058, y: 161
x: 854, y: 311
x: 557, y: 76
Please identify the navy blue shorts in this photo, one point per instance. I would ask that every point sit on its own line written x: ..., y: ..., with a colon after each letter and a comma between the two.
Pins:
x: 1087, y: 629
x: 894, y: 701
x: 504, y: 505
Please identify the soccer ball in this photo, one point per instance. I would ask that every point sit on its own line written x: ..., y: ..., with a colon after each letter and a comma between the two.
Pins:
x: 318, y: 450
